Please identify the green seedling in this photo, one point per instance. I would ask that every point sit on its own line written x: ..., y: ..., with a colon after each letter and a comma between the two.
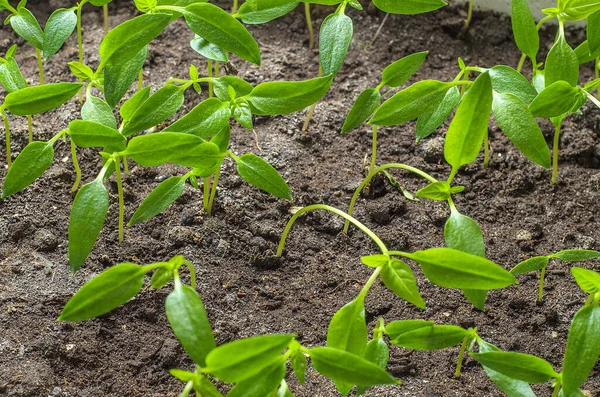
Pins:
x: 537, y: 263
x: 256, y: 366
x: 47, y: 42
x: 97, y: 3
x: 469, y: 15
x: 581, y: 353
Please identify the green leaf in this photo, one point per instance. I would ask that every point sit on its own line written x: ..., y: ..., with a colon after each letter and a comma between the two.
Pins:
x: 263, y: 11
x: 205, y: 120
x: 105, y: 292
x: 515, y: 120
x: 118, y: 78
x: 92, y: 134
x: 159, y: 200
x: 283, y: 390
x: 335, y: 37
x: 161, y: 105
x: 97, y: 110
x: 470, y: 124
x: 375, y: 261
x: 25, y: 25
x: 59, y: 27
x: 556, y: 99
x: 29, y: 165
x: 11, y: 77
x: 99, y: 3
x: 366, y: 103
x: 244, y: 358
x: 261, y: 174
x: 209, y: 50
x: 584, y: 55
x: 510, y: 386
x: 81, y: 71
x: 263, y: 383
x: 530, y: 265
x: 131, y: 105
x: 348, y: 328
x: 507, y: 80
x: 298, y: 363
x: 187, y: 317
x: 576, y: 10
x: 396, y: 328
x: 161, y: 277
x: 206, y: 387
x: 342, y: 366
x: 398, y: 277
x: 242, y: 113
x: 221, y: 139
x: 87, y: 218
x: 124, y: 42
x: 576, y: 255
x: 283, y: 97
x: 430, y: 121
x: 518, y: 366
x: 583, y: 348
x: 524, y: 29
x: 396, y: 74
x: 218, y: 27
x: 440, y: 191
x: 588, y: 280
x: 562, y: 64
x: 184, y: 376
x: 40, y: 98
x: 451, y: 268
x: 222, y: 84
x: 410, y: 103
x: 172, y: 147
x: 378, y: 353
x: 408, y: 7
x: 593, y: 32
x: 431, y: 337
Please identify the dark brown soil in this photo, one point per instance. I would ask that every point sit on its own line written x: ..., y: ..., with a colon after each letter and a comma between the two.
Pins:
x: 129, y: 352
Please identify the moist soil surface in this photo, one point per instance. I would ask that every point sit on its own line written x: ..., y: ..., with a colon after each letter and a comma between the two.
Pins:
x: 246, y: 291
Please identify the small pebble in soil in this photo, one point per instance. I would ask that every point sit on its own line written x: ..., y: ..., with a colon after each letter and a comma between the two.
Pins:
x: 44, y: 240
x: 182, y: 235
x: 169, y: 353
x: 432, y: 150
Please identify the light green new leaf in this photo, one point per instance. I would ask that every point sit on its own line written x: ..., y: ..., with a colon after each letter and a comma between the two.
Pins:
x: 161, y: 105
x: 515, y: 120
x: 396, y: 74
x: 105, y: 292
x: 576, y: 255
x: 440, y: 191
x: 556, y: 100
x: 161, y: 277
x: 118, y: 78
x: 87, y: 218
x: 97, y: 110
x: 524, y: 29
x: 398, y: 277
x: 348, y: 328
x: 11, y: 77
x: 375, y: 261
x: 59, y: 27
x: 298, y: 363
x: 159, y: 200
x: 530, y: 265
x: 470, y: 124
x: 218, y: 27
x: 562, y: 64
x: 40, y: 98
x: 364, y: 106
x: 263, y: 11
x: 588, y: 280
x: 209, y: 50
x: 397, y: 328
x: 410, y: 103
x: 432, y: 120
x: 433, y: 337
x: 172, y: 147
x: 26, y: 26
x: 510, y: 386
x: 334, y: 40
x: 221, y: 87
x: 576, y: 10
x: 507, y: 80
x: 275, y: 98
x: 261, y: 174
x: 345, y: 367
x: 583, y: 348
x: 451, y: 268
x: 378, y: 353
x: 187, y: 317
x: 520, y: 366
x: 408, y: 7
x: 127, y: 40
x: 92, y: 134
x: 244, y: 358
x: 29, y: 165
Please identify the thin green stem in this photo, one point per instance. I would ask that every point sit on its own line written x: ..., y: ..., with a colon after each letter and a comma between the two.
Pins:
x: 555, y: 150
x: 541, y: 290
x: 234, y: 8
x: 217, y: 69
x: 365, y: 289
x: 206, y: 195
x: 213, y: 191
x: 76, y: 166
x: 311, y: 111
x: 452, y: 174
x: 140, y: 84
x: 521, y: 62
x: 469, y: 15
x: 190, y: 267
x: 355, y: 222
x: 210, y: 74
x: 188, y: 389
x: 38, y: 55
x: 30, y: 127
x: 373, y: 149
x: 105, y: 12
x: 372, y: 174
x: 311, y: 33
x: 556, y: 391
x: 486, y: 150
x: 125, y: 165
x: 80, y: 40
x: 121, y: 200
x: 399, y: 253
x: 461, y: 355
x: 7, y: 135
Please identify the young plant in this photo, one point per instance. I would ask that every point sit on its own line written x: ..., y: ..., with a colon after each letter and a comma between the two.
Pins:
x: 255, y: 365
x: 47, y: 42
x: 581, y: 353
x: 541, y: 263
x: 97, y: 3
